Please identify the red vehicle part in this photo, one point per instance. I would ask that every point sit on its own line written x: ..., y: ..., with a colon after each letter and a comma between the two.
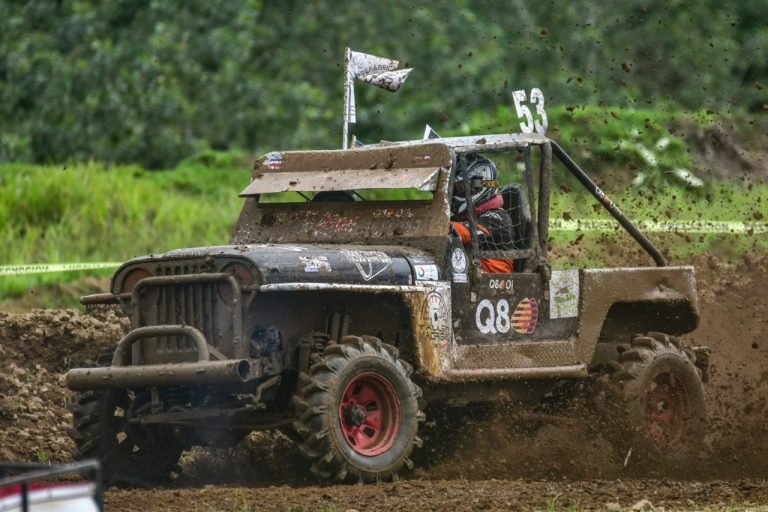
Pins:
x: 369, y: 413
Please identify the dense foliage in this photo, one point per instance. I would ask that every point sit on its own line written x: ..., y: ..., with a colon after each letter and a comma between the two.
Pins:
x: 151, y: 81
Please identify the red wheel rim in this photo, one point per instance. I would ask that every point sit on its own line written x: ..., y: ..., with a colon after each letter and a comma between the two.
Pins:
x: 667, y: 405
x: 369, y: 414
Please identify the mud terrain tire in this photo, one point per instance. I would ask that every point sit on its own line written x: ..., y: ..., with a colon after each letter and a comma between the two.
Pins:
x: 129, y: 455
x: 358, y: 412
x: 661, y: 401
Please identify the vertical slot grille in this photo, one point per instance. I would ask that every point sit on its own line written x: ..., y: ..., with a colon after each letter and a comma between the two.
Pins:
x: 194, y: 304
x: 187, y: 304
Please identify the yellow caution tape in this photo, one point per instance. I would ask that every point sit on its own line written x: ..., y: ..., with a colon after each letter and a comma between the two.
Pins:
x: 40, y: 268
x: 603, y: 225
x: 676, y: 226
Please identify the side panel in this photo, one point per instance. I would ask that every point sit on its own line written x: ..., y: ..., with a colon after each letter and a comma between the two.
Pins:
x: 569, y: 324
x: 298, y: 313
x: 430, y: 313
x: 510, y: 308
x: 602, y: 288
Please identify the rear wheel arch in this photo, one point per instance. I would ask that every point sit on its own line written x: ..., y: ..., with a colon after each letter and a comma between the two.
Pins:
x: 624, y: 319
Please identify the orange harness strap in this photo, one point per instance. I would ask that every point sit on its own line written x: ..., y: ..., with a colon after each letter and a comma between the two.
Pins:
x: 489, y: 265
x: 462, y: 231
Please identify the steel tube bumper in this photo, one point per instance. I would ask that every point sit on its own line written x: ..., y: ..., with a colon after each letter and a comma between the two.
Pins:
x: 123, y: 348
x: 235, y: 371
x: 122, y: 376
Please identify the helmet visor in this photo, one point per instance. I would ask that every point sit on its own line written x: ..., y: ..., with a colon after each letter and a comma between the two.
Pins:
x: 476, y: 184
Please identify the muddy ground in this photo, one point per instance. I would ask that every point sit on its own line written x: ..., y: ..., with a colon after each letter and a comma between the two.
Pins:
x: 493, y: 462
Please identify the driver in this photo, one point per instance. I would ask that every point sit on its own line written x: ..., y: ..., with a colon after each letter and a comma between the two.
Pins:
x: 494, y: 225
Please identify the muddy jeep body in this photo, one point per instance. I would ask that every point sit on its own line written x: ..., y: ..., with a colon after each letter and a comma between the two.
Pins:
x: 225, y: 338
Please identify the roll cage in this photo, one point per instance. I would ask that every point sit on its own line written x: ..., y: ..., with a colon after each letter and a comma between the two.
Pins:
x: 422, y: 165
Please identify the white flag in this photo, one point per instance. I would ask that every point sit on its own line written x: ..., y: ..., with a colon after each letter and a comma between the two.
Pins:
x: 430, y: 133
x: 373, y: 70
x: 389, y: 80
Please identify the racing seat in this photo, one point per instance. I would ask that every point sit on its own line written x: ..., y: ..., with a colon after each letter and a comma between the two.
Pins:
x: 516, y: 204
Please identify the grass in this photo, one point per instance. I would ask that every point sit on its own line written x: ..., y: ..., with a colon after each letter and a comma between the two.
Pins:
x: 90, y: 213
x: 722, y: 201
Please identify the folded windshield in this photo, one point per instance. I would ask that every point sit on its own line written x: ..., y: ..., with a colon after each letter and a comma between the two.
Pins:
x: 377, y: 174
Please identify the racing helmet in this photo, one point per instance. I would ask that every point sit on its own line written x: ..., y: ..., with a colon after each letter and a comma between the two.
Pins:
x: 480, y: 174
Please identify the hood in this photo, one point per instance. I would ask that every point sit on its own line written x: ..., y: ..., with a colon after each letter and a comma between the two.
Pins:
x: 279, y: 263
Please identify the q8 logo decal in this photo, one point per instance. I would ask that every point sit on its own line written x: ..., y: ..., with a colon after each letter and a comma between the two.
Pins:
x: 492, y: 319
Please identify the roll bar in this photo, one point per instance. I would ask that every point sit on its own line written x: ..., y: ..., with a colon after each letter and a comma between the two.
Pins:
x: 608, y: 204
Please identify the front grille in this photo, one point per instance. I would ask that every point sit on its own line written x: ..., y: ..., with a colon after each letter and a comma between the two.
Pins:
x: 188, y: 304
x: 198, y: 304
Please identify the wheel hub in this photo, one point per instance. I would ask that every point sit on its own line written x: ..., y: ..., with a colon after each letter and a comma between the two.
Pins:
x: 369, y: 414
x: 666, y: 402
x: 355, y: 414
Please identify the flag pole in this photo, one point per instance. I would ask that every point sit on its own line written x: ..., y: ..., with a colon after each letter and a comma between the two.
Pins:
x: 347, y: 85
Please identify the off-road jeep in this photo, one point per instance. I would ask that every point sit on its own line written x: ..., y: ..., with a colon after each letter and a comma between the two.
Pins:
x: 343, y: 305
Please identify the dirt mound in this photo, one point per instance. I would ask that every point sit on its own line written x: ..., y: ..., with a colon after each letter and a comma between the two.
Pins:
x: 35, y: 349
x: 735, y: 325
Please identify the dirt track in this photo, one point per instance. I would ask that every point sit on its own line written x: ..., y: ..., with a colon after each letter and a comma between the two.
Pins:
x: 482, y: 470
x: 457, y: 495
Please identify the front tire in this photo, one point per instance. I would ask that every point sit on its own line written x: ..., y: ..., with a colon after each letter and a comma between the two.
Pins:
x: 661, y: 399
x: 130, y: 454
x: 358, y: 412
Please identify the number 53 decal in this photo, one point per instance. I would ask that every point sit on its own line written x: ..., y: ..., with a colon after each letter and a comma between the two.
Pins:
x: 530, y: 124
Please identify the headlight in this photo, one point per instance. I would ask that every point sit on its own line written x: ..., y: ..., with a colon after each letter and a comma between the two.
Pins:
x: 242, y: 275
x: 133, y: 277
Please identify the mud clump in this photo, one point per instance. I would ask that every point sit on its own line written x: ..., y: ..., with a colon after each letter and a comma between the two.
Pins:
x: 507, y: 441
x: 260, y: 458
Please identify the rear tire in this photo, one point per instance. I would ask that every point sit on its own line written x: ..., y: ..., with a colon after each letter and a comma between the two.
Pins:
x: 660, y: 397
x: 358, y: 412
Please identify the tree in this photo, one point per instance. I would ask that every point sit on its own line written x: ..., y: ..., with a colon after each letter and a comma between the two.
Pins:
x: 152, y: 82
